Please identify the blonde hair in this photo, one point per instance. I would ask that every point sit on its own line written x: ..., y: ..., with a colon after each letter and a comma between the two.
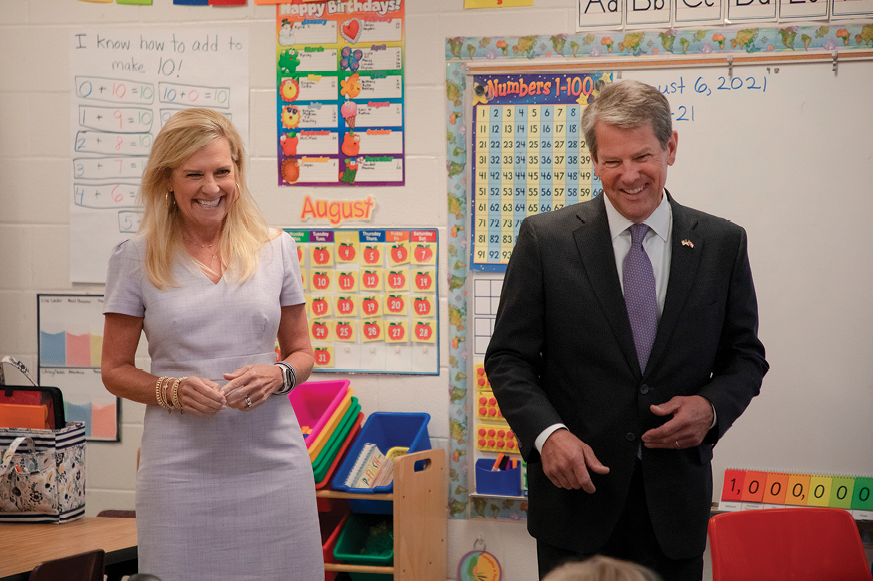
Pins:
x: 600, y: 568
x: 244, y: 230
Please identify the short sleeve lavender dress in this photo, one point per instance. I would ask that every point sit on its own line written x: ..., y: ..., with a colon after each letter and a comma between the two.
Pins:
x: 228, y: 497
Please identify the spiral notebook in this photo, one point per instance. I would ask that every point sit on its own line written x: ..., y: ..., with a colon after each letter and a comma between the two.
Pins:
x: 371, y: 468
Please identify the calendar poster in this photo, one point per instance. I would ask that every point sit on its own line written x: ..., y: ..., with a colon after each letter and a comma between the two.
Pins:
x: 530, y: 156
x: 340, y: 102
x: 371, y: 299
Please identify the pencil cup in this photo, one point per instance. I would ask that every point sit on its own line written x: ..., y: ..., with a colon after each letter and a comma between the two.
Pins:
x: 497, y: 482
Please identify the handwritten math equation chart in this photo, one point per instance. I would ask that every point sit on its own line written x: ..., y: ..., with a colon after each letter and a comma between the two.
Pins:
x: 340, y: 100
x: 530, y: 156
x: 371, y: 298
x: 126, y: 85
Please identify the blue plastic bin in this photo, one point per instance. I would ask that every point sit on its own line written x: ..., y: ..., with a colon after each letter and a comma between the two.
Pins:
x: 498, y: 482
x: 386, y: 430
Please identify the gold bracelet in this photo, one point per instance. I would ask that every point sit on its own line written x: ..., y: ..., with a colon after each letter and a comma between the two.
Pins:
x: 176, y: 402
x: 165, y: 394
x: 158, y: 394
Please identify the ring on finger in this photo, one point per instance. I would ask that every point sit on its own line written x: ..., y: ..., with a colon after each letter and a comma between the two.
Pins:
x: 248, y: 402
x: 677, y: 442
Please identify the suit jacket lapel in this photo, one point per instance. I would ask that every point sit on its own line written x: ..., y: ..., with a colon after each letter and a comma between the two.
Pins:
x: 687, y: 247
x: 594, y: 244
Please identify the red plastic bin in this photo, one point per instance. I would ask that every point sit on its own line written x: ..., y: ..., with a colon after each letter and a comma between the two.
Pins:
x: 331, y: 524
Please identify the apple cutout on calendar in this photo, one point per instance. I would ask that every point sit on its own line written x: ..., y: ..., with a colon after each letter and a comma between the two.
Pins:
x: 372, y: 254
x: 319, y: 331
x: 371, y: 279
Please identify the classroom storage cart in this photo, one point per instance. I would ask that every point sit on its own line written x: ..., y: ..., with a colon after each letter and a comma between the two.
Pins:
x: 419, y: 499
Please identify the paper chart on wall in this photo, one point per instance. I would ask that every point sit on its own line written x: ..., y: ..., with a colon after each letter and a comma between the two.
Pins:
x: 530, y: 156
x: 126, y: 85
x: 340, y: 99
x: 372, y: 300
x: 70, y: 346
x: 486, y: 299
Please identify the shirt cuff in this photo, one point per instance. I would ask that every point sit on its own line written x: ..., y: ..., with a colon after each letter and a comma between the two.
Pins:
x: 544, y: 435
x: 714, y: 416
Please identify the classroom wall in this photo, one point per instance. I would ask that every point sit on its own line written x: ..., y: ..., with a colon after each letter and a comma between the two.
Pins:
x: 35, y: 189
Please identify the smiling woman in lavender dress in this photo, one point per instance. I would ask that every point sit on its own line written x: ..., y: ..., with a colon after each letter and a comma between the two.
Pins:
x: 225, y: 489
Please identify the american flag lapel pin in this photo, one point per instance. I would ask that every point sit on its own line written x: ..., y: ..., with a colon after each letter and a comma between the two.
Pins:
x: 688, y: 243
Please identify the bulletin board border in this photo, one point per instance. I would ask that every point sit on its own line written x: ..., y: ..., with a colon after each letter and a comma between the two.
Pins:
x: 712, y: 42
x: 605, y: 51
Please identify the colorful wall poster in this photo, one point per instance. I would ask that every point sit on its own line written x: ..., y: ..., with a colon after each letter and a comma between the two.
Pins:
x: 530, y: 156
x: 372, y: 299
x: 126, y: 84
x: 340, y: 98
x: 756, y: 489
x: 70, y: 347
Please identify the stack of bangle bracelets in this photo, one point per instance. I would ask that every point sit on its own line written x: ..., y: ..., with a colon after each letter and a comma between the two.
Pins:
x: 162, y: 387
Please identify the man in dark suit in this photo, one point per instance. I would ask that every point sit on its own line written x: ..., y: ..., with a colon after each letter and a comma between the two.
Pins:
x: 625, y: 346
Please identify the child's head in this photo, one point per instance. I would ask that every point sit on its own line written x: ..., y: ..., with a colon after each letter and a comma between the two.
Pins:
x: 599, y: 568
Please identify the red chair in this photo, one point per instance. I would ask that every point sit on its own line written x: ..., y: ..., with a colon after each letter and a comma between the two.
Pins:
x: 787, y: 544
x: 87, y: 566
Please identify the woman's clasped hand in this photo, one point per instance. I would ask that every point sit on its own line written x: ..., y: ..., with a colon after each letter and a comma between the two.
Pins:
x: 251, y: 386
x: 246, y: 389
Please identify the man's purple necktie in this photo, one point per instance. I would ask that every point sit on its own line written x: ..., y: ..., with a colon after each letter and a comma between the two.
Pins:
x: 640, y: 295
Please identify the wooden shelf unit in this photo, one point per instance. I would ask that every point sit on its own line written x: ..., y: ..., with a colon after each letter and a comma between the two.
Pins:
x: 419, y: 519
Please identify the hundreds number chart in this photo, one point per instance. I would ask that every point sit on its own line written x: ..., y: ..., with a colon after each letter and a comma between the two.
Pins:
x: 530, y: 156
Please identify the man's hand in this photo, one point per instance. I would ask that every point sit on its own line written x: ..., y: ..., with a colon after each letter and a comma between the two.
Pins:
x: 567, y: 460
x: 692, y: 418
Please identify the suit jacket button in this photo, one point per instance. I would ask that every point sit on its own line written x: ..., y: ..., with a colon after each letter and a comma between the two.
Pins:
x: 644, y: 389
x: 630, y: 437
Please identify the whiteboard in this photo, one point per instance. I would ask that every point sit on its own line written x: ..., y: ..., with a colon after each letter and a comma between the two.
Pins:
x: 786, y: 152
x: 793, y: 164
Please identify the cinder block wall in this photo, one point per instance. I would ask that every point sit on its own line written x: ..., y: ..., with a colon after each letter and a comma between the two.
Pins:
x: 35, y: 188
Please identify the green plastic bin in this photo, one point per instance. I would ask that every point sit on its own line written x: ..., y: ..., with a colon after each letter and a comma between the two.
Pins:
x: 367, y: 539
